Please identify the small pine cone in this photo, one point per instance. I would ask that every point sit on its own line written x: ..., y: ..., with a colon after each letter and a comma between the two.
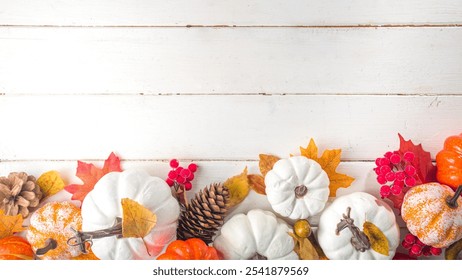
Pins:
x: 205, y: 214
x: 19, y: 193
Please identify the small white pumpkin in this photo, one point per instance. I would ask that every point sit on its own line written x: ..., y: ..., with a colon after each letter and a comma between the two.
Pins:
x: 297, y: 187
x: 363, y: 207
x: 102, y: 206
x: 255, y: 235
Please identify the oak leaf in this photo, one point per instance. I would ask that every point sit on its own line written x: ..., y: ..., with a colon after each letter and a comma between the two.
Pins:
x: 425, y: 170
x: 50, y: 183
x: 304, y: 248
x: 10, y: 224
x: 377, y: 238
x: 329, y: 162
x: 266, y: 163
x: 238, y: 187
x: 257, y: 183
x: 137, y: 220
x: 90, y: 175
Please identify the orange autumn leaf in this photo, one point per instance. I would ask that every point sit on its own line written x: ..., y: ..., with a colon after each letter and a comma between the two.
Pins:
x: 10, y: 224
x: 137, y: 220
x: 257, y: 183
x: 91, y: 174
x: 329, y: 161
x: 50, y: 183
x: 266, y: 163
x: 238, y: 187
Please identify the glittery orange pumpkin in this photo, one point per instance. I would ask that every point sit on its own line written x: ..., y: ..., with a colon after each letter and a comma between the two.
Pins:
x: 433, y: 212
x: 50, y: 228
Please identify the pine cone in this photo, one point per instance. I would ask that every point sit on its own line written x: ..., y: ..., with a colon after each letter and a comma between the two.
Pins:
x: 19, y: 193
x: 205, y: 214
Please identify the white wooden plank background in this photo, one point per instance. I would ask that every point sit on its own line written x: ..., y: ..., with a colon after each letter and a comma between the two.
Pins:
x: 79, y: 79
x: 229, y: 13
x: 228, y: 60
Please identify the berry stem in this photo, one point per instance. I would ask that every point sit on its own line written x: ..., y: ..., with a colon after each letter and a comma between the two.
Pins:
x: 452, y: 201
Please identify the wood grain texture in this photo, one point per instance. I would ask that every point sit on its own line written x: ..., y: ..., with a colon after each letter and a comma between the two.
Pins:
x: 219, y: 127
x: 230, y: 61
x: 230, y: 13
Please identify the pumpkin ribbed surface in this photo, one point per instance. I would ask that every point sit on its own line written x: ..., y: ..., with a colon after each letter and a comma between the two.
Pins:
x: 55, y: 220
x: 15, y: 248
x: 429, y: 217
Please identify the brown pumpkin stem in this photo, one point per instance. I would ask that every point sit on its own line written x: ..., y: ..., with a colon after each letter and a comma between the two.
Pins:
x: 360, y: 241
x: 50, y: 244
x: 258, y: 257
x: 452, y: 201
x: 300, y: 191
x: 82, y: 238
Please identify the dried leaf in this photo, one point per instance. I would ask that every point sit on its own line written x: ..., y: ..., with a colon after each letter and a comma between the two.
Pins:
x: 50, y: 183
x: 377, y: 238
x: 304, y: 249
x: 257, y: 183
x: 10, y: 224
x: 426, y: 171
x: 137, y: 220
x: 266, y: 163
x: 329, y: 161
x: 90, y: 175
x: 238, y: 187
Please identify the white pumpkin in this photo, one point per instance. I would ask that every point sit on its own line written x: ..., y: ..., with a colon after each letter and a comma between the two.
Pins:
x: 102, y: 206
x: 297, y: 187
x: 255, y: 235
x: 364, y: 207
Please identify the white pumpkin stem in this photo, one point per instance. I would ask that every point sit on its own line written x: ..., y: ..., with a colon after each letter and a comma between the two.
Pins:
x: 82, y: 238
x: 452, y: 201
x: 300, y: 191
x: 360, y: 241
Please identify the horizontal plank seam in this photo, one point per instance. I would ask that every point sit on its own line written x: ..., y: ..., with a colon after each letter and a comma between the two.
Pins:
x: 436, y: 25
x: 231, y: 94
x: 163, y: 160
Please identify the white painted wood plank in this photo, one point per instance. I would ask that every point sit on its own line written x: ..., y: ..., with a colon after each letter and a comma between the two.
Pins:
x: 223, y: 12
x: 225, y: 60
x: 219, y: 127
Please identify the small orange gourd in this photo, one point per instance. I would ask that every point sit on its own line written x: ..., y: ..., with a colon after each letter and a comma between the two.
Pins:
x: 51, y: 227
x: 449, y: 162
x: 191, y: 249
x: 15, y: 248
x: 433, y: 212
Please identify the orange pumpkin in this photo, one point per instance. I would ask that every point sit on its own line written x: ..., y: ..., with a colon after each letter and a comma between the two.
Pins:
x: 15, y: 248
x: 449, y: 162
x: 191, y: 249
x: 433, y: 212
x: 50, y: 228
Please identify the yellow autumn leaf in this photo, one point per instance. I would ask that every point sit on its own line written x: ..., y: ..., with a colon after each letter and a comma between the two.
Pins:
x: 10, y: 224
x: 50, y: 183
x: 266, y: 163
x: 329, y: 162
x: 304, y: 248
x: 238, y: 187
x: 137, y: 220
x: 257, y: 183
x: 377, y: 238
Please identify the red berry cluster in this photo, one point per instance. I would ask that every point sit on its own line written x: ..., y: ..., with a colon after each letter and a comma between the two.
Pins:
x: 416, y: 248
x: 181, y: 176
x: 394, y: 172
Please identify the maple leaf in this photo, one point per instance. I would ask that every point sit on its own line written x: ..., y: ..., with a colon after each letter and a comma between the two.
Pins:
x: 329, y: 162
x: 377, y: 238
x: 50, y: 183
x: 304, y: 248
x: 90, y: 175
x: 257, y: 183
x: 10, y: 224
x: 266, y: 163
x: 238, y: 187
x: 425, y: 170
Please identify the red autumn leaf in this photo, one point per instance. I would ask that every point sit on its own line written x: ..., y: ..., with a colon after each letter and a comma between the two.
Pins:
x: 426, y: 171
x: 91, y: 174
